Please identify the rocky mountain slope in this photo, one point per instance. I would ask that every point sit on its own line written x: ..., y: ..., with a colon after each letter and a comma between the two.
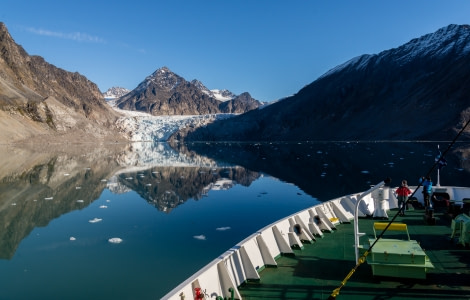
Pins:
x: 40, y: 101
x: 420, y: 90
x: 166, y: 93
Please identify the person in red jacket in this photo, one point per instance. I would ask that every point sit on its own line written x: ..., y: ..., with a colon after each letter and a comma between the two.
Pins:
x: 402, y: 194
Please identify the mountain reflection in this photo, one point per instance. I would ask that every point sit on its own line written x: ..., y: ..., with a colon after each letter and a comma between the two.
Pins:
x: 326, y: 170
x: 167, y: 187
x: 39, y: 185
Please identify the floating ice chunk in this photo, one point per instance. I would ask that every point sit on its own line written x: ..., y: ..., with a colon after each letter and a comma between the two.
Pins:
x: 103, y: 206
x: 80, y: 201
x: 95, y: 220
x: 115, y: 240
x: 200, y: 237
x: 72, y: 238
x: 223, y: 228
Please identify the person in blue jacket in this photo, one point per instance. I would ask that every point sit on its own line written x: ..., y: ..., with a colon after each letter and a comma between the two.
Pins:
x: 427, y: 191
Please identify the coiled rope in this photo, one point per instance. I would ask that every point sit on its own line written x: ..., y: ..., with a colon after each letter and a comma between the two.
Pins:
x: 363, y: 257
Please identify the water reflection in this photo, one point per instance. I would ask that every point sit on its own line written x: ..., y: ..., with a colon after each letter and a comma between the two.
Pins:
x: 328, y: 170
x: 168, y: 187
x: 36, y: 187
x: 39, y: 186
x: 203, y: 197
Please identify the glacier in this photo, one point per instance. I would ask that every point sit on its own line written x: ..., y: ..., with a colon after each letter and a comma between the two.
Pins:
x: 144, y: 127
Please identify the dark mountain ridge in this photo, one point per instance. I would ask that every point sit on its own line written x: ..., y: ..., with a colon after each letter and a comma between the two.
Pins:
x: 166, y: 93
x: 420, y: 90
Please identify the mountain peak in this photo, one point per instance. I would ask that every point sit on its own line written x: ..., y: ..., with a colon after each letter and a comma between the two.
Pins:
x: 453, y: 40
x: 221, y: 95
x: 115, y: 92
x: 162, y: 77
x: 163, y: 70
x: 166, y: 93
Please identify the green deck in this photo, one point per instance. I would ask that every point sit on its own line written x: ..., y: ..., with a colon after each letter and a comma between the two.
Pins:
x: 319, y: 268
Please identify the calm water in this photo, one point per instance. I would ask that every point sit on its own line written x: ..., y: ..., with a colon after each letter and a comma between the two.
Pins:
x: 174, y: 211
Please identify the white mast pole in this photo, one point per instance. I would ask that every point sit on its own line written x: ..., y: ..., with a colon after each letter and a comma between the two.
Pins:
x: 438, y: 161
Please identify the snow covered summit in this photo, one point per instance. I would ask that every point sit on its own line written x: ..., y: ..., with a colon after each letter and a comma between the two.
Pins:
x: 115, y: 92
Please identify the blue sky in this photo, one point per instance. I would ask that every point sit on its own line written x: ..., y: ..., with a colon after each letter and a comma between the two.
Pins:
x: 270, y: 49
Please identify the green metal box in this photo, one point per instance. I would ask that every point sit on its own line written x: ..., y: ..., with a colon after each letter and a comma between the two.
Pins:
x: 398, y: 258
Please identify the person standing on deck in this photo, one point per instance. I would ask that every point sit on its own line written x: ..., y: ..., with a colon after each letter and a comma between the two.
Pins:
x: 427, y: 190
x: 402, y: 194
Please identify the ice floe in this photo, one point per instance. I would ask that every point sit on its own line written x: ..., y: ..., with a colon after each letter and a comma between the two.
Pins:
x: 115, y: 240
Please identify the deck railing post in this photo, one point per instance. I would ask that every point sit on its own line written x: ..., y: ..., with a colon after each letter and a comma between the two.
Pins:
x: 356, y: 209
